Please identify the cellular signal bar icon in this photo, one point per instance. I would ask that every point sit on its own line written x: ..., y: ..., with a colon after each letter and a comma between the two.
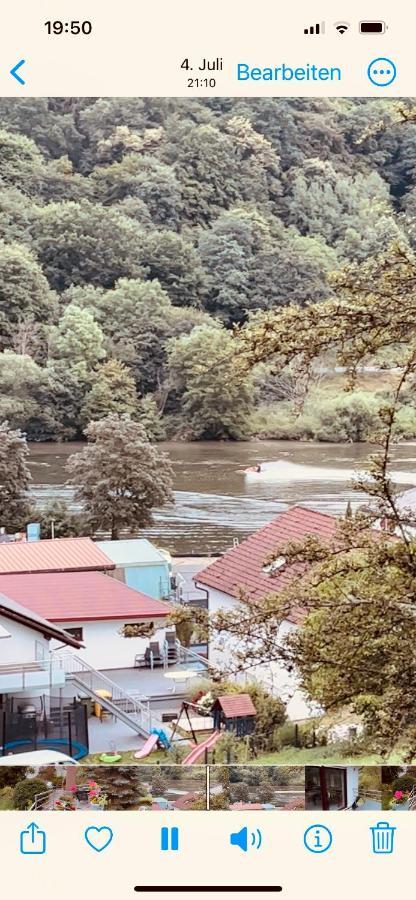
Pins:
x: 319, y: 28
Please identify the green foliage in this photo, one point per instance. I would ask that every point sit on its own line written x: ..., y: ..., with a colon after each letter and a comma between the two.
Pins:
x: 24, y: 291
x: 113, y: 391
x: 11, y: 775
x: 83, y: 242
x: 158, y: 216
x: 240, y: 792
x: 119, y: 477
x: 158, y: 785
x: 25, y: 792
x: 15, y: 508
x: 215, y: 403
x: 77, y: 339
x: 349, y: 417
x: 57, y: 520
x: 122, y: 785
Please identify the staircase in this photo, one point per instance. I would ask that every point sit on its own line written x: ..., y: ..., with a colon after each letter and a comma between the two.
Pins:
x: 128, y: 708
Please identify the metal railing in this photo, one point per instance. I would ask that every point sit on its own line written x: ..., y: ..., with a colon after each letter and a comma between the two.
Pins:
x: 412, y: 799
x: 134, y: 711
x: 41, y: 798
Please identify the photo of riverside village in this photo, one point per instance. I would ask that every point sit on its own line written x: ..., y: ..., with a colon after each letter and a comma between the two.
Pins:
x: 207, y: 438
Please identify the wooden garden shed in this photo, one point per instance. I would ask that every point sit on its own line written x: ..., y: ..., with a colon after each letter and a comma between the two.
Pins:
x: 234, y: 712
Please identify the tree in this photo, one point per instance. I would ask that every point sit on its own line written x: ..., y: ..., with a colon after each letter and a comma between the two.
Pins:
x: 158, y: 785
x: 119, y: 477
x: 15, y: 507
x: 174, y: 263
x: 24, y: 291
x: 11, y: 775
x: 135, y: 317
x: 265, y: 793
x: 122, y: 785
x: 83, y: 242
x: 20, y: 162
x: 77, y: 339
x: 357, y: 590
x: 113, y: 391
x: 215, y: 404
x: 240, y: 792
x: 22, y: 383
x: 56, y: 520
x: 351, y: 212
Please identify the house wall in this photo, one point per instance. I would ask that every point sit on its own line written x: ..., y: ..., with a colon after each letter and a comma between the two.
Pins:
x: 24, y: 645
x: 106, y: 648
x: 352, y: 784
x: 272, y: 675
x: 152, y: 580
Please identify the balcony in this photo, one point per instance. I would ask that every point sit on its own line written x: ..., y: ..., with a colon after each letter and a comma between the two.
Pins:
x: 29, y: 676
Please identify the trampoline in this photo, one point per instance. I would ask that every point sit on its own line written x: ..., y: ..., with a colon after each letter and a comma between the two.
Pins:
x: 77, y: 751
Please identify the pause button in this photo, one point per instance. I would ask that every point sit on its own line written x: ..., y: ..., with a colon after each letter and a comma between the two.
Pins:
x: 169, y: 838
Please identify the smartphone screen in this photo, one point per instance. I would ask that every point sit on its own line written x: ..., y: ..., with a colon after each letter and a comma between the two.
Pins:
x: 207, y: 450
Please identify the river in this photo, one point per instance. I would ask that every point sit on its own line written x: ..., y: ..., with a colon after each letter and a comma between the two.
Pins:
x: 215, y: 504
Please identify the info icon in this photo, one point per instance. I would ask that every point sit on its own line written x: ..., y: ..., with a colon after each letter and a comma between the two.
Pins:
x: 317, y: 838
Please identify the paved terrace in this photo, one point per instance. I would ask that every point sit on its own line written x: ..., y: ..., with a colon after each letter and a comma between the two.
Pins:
x: 147, y: 683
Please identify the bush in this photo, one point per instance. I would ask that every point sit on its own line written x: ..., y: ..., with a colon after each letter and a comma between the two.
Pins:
x: 405, y: 424
x: 25, y: 792
x: 404, y: 783
x: 347, y: 417
x: 158, y: 786
x: 6, y: 798
x: 265, y: 793
x: 241, y: 792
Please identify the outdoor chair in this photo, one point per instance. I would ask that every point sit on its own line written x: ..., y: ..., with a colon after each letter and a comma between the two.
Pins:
x: 153, y: 656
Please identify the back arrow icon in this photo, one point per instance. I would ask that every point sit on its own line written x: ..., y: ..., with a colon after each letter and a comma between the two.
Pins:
x: 14, y: 71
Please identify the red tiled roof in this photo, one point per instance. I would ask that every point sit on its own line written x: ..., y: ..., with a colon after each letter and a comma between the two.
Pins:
x: 60, y: 555
x: 247, y: 806
x: 80, y: 596
x: 186, y: 799
x: 234, y: 705
x: 242, y: 567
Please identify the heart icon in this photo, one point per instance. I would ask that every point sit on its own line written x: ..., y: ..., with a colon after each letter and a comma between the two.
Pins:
x: 98, y: 838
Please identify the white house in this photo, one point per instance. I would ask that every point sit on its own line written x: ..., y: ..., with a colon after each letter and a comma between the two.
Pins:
x: 112, y: 621
x: 244, y: 568
x: 25, y: 643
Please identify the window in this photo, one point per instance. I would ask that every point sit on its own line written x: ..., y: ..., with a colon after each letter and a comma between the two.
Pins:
x: 77, y: 633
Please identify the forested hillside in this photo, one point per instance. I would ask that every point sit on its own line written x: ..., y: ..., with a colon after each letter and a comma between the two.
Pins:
x: 136, y: 233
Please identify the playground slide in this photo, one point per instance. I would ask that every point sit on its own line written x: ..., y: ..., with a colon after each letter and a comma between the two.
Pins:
x: 200, y: 749
x: 147, y: 748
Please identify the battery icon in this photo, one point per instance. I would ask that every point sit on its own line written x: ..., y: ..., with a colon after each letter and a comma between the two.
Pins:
x: 372, y: 27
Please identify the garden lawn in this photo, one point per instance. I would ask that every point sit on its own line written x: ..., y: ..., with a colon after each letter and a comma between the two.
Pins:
x: 322, y: 756
x: 158, y: 756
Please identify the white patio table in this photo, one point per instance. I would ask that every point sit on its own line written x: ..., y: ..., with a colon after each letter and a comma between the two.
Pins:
x: 178, y: 675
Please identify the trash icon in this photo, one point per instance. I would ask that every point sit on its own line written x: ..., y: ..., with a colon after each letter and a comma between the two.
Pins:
x: 383, y: 837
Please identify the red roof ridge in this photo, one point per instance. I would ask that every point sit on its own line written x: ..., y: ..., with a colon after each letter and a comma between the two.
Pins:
x: 243, y: 566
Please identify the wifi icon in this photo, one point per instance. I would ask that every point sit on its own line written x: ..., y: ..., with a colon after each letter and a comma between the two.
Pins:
x: 341, y: 27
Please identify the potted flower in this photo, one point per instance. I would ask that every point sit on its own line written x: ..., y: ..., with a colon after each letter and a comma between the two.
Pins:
x: 399, y: 798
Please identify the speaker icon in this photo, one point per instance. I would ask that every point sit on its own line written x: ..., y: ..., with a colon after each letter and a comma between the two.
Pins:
x: 246, y: 840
